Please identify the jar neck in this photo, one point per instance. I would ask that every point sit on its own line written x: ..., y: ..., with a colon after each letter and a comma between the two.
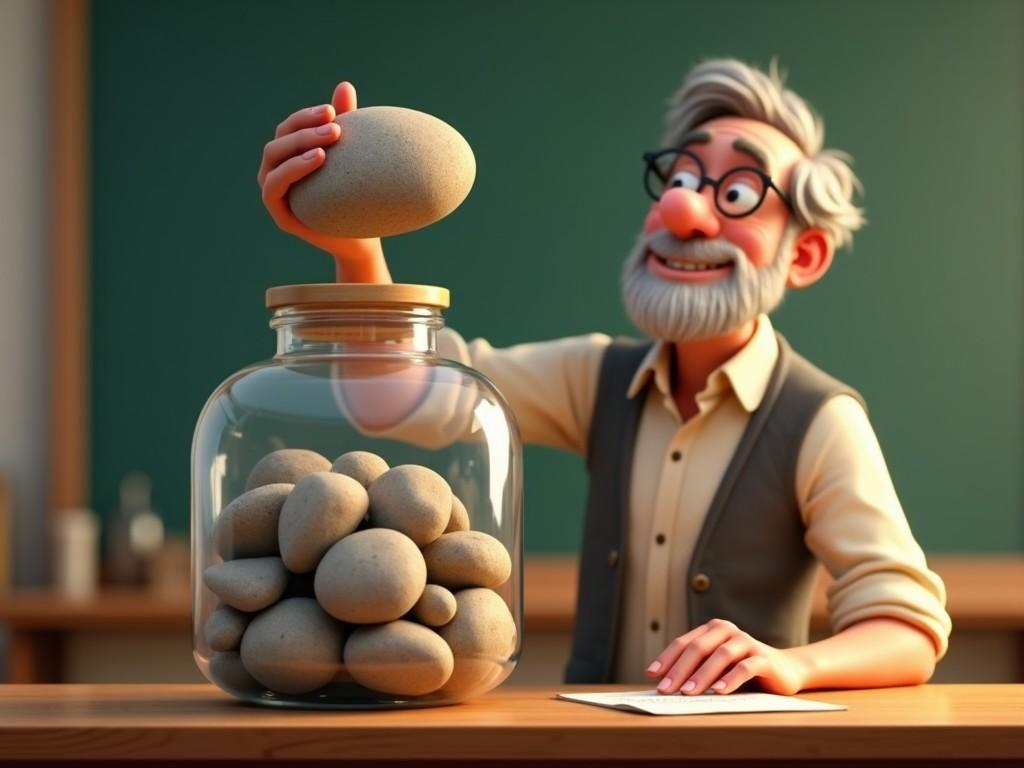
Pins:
x: 356, y: 330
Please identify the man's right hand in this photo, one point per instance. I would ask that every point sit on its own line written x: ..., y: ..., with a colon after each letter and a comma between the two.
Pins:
x: 295, y: 152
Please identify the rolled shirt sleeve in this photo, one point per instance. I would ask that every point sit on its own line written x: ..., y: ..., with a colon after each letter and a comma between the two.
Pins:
x: 856, y: 527
x: 550, y: 385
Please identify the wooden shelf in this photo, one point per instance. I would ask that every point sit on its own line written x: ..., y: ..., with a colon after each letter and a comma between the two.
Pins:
x: 980, y: 597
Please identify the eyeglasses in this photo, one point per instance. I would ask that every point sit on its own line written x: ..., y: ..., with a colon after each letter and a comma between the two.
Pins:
x: 738, y: 192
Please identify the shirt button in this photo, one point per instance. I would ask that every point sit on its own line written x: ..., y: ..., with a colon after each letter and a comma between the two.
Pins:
x: 701, y: 582
x: 655, y: 626
x: 677, y: 455
x: 660, y: 538
x: 613, y: 558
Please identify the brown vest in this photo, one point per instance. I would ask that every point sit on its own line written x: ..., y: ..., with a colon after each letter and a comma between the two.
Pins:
x: 750, y: 564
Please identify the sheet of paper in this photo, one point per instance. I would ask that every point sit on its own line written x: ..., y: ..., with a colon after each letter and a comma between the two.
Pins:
x: 654, y: 703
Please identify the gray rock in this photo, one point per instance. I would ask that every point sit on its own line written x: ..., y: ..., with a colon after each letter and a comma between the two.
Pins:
x: 436, y: 606
x: 482, y: 637
x: 370, y: 577
x: 467, y: 559
x: 412, y: 499
x: 224, y: 628
x: 459, y: 520
x: 399, y: 657
x: 360, y: 465
x: 293, y: 647
x: 288, y: 465
x: 249, y: 584
x: 247, y: 527
x: 323, y: 508
x: 227, y: 671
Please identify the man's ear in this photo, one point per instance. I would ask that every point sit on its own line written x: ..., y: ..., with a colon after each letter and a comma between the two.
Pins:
x: 812, y: 258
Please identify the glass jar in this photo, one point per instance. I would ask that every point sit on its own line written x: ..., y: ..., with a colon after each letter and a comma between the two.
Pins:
x: 356, y: 512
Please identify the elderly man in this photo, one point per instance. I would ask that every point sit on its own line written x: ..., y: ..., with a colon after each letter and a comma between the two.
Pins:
x: 723, y: 466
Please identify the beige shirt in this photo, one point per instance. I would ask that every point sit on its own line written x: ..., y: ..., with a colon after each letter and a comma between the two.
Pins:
x: 855, y: 524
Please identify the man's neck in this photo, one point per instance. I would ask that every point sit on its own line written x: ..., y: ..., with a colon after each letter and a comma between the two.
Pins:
x: 695, y: 360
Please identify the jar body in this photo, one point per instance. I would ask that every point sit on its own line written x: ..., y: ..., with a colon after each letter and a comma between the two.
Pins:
x: 312, y: 591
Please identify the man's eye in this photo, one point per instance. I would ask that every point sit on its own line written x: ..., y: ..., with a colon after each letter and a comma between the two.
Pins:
x: 738, y: 197
x: 684, y: 179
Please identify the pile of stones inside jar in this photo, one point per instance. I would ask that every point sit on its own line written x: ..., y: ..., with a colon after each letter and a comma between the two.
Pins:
x: 355, y: 571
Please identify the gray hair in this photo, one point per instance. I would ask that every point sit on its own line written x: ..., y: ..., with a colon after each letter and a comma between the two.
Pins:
x: 822, y: 183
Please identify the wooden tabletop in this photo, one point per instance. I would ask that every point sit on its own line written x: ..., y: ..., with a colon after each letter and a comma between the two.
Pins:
x: 198, y: 722
x: 979, y: 597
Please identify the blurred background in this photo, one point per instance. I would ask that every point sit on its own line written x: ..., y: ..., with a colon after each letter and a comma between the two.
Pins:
x: 135, y: 251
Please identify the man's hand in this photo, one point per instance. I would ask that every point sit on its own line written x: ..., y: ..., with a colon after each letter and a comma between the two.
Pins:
x: 718, y: 657
x: 295, y: 152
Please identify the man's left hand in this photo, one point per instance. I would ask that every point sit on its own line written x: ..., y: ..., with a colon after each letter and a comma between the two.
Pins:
x: 718, y: 657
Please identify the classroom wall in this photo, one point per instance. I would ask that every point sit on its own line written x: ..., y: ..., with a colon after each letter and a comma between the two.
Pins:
x: 558, y: 100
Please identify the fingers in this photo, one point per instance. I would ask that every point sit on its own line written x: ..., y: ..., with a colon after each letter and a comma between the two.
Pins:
x: 720, y: 644
x: 293, y: 144
x: 344, y: 98
x: 670, y: 655
x: 279, y: 180
x: 305, y: 118
x: 745, y: 670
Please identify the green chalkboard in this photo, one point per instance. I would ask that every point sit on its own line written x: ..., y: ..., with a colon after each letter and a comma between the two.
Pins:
x: 559, y: 99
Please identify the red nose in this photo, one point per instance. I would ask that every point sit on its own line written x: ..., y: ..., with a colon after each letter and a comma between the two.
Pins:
x: 688, y: 214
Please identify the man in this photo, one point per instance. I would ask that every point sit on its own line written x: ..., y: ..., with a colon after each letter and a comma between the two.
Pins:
x: 723, y: 465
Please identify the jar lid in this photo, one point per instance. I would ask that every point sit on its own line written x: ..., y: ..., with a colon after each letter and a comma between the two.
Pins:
x: 352, y: 294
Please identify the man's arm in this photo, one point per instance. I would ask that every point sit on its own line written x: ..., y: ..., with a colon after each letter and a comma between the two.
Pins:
x: 887, y: 608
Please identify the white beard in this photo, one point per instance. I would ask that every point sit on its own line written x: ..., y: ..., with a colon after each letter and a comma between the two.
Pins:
x: 677, y: 311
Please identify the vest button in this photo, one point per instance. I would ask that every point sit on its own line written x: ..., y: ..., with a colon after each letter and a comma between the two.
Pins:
x: 701, y: 582
x: 677, y: 455
x: 613, y: 558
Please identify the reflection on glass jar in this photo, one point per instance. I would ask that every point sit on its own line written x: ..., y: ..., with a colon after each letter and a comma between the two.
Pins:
x: 357, y: 512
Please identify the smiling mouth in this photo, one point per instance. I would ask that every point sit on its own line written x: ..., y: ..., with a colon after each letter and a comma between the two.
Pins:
x: 683, y: 265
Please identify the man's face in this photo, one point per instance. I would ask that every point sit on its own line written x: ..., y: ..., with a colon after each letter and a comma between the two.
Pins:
x: 696, y: 271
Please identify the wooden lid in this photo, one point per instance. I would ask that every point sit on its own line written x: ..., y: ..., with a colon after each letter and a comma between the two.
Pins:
x: 358, y: 294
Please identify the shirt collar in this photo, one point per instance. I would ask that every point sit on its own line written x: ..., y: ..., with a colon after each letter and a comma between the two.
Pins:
x: 746, y: 373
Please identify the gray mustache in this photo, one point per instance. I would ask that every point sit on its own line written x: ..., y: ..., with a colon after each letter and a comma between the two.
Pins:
x: 668, y: 246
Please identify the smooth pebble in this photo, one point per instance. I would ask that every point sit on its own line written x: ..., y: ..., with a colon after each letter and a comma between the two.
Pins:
x: 371, y: 576
x: 224, y: 628
x: 322, y: 508
x: 459, y: 520
x: 436, y: 606
x: 288, y: 465
x: 467, y: 559
x: 412, y: 499
x: 247, y: 527
x: 293, y: 647
x: 399, y: 657
x: 360, y: 465
x: 482, y: 637
x: 249, y: 584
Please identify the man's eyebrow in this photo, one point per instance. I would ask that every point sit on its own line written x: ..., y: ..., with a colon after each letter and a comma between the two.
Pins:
x: 749, y: 148
x: 695, y: 137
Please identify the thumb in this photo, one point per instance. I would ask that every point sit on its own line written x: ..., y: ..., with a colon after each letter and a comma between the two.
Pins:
x: 344, y: 98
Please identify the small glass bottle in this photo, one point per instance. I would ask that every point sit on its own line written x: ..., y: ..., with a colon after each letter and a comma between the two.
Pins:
x: 356, y: 512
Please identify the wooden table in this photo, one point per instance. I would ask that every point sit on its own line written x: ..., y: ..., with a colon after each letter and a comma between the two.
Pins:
x: 984, y: 593
x: 940, y: 724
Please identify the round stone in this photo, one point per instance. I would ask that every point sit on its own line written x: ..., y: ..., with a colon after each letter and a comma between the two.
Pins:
x: 371, y: 576
x: 226, y: 671
x: 250, y: 584
x: 482, y: 637
x: 224, y: 628
x: 393, y: 170
x: 293, y: 647
x: 323, y: 508
x: 360, y: 465
x: 288, y: 465
x: 247, y: 527
x: 459, y: 520
x: 467, y: 559
x: 400, y: 657
x: 436, y: 606
x: 412, y: 499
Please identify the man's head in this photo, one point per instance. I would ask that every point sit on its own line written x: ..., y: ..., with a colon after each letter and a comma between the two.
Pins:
x: 747, y: 202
